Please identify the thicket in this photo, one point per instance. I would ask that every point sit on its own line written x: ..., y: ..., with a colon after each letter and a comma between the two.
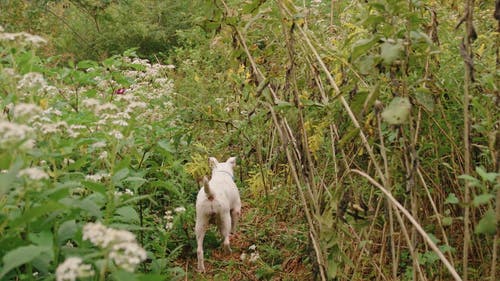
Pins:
x: 374, y: 122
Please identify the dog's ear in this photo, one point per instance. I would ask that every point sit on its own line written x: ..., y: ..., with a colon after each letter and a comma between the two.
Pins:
x: 213, y: 162
x: 232, y: 161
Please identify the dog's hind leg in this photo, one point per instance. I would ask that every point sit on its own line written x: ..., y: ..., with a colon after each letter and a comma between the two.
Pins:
x: 226, y: 230
x: 235, y: 216
x: 200, y: 229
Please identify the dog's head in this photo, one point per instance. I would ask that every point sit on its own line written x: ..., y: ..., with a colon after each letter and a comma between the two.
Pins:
x: 226, y: 167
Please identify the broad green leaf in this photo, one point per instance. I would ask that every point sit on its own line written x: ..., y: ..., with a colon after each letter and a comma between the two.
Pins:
x: 119, y: 175
x: 35, y: 212
x: 134, y: 182
x: 127, y: 214
x: 482, y: 199
x: 451, y: 199
x: 66, y: 231
x: 43, y: 239
x: 389, y: 52
x: 19, y: 256
x: 366, y: 64
x: 424, y: 98
x: 398, y: 111
x: 487, y: 224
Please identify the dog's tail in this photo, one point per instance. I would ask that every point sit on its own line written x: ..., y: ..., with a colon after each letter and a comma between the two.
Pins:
x: 206, y: 187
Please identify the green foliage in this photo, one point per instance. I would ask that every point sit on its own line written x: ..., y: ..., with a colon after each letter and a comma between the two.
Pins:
x: 98, y: 29
x: 85, y: 143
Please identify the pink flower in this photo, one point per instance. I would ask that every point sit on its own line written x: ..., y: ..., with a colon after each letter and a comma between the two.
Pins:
x: 120, y: 91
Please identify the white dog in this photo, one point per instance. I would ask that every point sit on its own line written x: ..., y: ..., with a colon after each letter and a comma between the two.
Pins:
x: 220, y: 199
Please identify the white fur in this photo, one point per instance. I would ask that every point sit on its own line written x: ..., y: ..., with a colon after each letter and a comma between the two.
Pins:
x: 218, y: 198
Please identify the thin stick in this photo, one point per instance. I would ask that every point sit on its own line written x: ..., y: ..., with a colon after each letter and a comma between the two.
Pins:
x: 466, y: 53
x: 419, y: 228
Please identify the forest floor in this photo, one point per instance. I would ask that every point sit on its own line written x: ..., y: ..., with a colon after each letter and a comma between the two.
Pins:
x: 265, y: 247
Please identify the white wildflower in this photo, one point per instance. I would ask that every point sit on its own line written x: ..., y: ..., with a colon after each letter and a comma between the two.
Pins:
x: 123, y: 115
x: 32, y: 80
x: 52, y: 111
x: 129, y: 192
x: 116, y: 134
x: 73, y: 268
x: 124, y: 249
x: 68, y: 161
x: 122, y: 123
x: 24, y: 110
x: 10, y: 72
x: 169, y: 225
x: 252, y: 248
x: 34, y: 39
x: 254, y: 257
x: 170, y: 66
x: 33, y: 173
x: 127, y: 255
x: 96, y: 177
x: 106, y: 107
x: 102, y: 236
x: 28, y: 144
x: 57, y: 127
x: 180, y: 209
x: 13, y: 132
x: 103, y: 155
x: 91, y: 103
x: 243, y: 256
x: 99, y: 144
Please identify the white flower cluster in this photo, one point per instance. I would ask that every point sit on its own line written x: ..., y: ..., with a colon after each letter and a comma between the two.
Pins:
x: 73, y: 268
x: 170, y: 220
x: 33, y: 173
x: 122, y: 245
x: 13, y: 133
x: 97, y: 177
x: 25, y: 110
x: 25, y: 37
x: 169, y: 217
x: 254, y: 255
x: 126, y: 192
x: 32, y: 81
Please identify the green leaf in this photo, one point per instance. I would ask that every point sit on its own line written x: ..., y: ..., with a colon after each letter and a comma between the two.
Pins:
x: 30, y: 214
x: 482, y: 199
x: 491, y: 177
x: 424, y: 98
x: 66, y: 231
x: 135, y: 182
x: 43, y: 239
x: 447, y: 221
x: 19, y: 256
x: 121, y: 275
x: 389, y: 52
x: 85, y: 64
x: 119, y: 175
x: 398, y: 111
x: 487, y: 224
x: 362, y: 46
x: 451, y: 199
x: 127, y: 214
